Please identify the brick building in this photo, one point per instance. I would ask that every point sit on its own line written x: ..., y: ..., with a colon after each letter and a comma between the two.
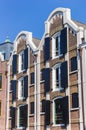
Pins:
x: 5, y: 52
x: 6, y: 49
x: 46, y: 83
x: 3, y: 93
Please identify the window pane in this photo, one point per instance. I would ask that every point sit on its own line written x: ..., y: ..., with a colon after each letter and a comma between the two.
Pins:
x: 58, y: 117
x: 23, y: 114
x: 21, y: 118
x: 32, y: 78
x: 43, y: 105
x: 32, y: 107
x: 0, y: 81
x: 0, y: 108
x: 57, y: 46
x: 73, y: 63
x: 75, y: 102
x: 57, y: 78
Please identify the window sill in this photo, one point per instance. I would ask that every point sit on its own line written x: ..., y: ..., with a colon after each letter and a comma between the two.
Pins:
x: 32, y: 85
x: 21, y: 71
x: 55, y: 125
x: 58, y: 89
x: 30, y: 115
x: 42, y: 113
x: 22, y: 98
x: 59, y: 56
x: 42, y: 81
x: 21, y: 128
x: 74, y: 109
x: 72, y: 72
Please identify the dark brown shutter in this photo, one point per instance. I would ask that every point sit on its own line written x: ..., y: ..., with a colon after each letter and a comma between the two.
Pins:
x: 75, y: 101
x: 32, y: 107
x: 13, y: 116
x: 26, y: 86
x: 43, y: 74
x: 43, y: 105
x: 14, y: 64
x: 47, y: 112
x: 65, y: 109
x: 63, y: 41
x: 13, y: 88
x: 26, y: 58
x: 47, y: 80
x: 32, y: 78
x: 73, y: 63
x: 47, y: 49
x: 64, y: 75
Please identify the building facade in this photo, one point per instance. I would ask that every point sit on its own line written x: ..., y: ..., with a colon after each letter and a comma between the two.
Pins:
x: 46, y: 83
x: 3, y: 93
x: 6, y: 49
x: 5, y: 53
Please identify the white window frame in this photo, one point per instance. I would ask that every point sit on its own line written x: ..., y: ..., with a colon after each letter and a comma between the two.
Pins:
x: 21, y: 90
x: 54, y: 45
x: 54, y: 112
x: 18, y: 116
x: 21, y: 62
x: 54, y: 82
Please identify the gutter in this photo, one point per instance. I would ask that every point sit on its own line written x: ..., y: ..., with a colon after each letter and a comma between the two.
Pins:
x: 82, y: 90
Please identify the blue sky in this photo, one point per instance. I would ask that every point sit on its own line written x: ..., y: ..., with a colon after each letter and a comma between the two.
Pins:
x: 30, y: 15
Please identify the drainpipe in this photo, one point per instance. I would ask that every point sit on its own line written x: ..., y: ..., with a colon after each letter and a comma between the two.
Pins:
x: 37, y: 91
x: 7, y: 100
x: 82, y: 90
x: 35, y: 62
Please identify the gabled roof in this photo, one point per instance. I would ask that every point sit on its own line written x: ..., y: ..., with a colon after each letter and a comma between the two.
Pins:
x: 80, y: 24
x: 36, y: 41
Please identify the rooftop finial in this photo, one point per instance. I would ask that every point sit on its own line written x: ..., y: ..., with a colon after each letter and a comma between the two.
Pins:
x: 7, y: 39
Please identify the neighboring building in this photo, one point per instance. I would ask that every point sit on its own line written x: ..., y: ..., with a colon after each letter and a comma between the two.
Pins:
x: 3, y: 93
x: 46, y: 79
x: 6, y: 49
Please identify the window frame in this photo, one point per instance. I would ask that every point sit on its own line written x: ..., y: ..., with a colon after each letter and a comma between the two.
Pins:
x: 57, y: 66
x: 32, y: 78
x: 0, y: 108
x: 54, y: 124
x: 73, y: 60
x: 21, y: 95
x: 1, y: 81
x: 21, y: 63
x: 32, y: 104
x: 43, y: 105
x: 18, y: 125
x: 73, y: 100
x: 54, y: 50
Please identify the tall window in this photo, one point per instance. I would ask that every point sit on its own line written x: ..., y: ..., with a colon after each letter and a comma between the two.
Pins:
x: 56, y: 45
x: 0, y: 108
x: 58, y: 113
x: 0, y: 81
x: 21, y: 61
x: 22, y: 116
x: 73, y: 63
x: 32, y: 78
x: 56, y: 77
x: 43, y: 105
x: 21, y: 88
x: 75, y: 101
x: 32, y: 108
